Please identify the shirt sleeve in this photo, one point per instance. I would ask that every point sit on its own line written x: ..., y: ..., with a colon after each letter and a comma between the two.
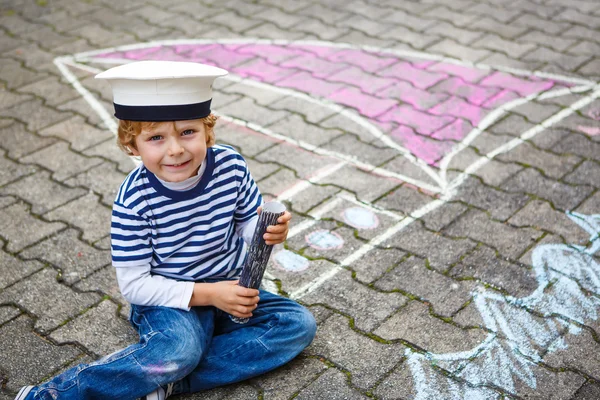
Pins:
x: 139, y: 287
x: 246, y: 229
x: 130, y: 236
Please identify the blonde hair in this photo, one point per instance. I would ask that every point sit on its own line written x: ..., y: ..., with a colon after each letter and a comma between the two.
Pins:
x: 128, y: 130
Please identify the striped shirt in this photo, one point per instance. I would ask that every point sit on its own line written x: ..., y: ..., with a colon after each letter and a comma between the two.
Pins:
x: 187, y: 235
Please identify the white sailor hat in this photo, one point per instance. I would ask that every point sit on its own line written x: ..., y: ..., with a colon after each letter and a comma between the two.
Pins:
x: 162, y: 90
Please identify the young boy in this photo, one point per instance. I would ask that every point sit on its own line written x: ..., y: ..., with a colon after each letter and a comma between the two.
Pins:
x: 179, y: 227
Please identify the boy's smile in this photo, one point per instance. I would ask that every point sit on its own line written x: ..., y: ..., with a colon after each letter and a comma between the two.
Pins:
x: 173, y: 151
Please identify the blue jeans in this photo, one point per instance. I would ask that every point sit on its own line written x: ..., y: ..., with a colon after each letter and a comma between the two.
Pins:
x: 200, y: 349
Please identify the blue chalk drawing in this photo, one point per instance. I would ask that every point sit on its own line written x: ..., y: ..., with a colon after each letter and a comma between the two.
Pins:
x: 518, y: 338
x: 324, y: 240
x: 360, y: 218
x: 290, y: 261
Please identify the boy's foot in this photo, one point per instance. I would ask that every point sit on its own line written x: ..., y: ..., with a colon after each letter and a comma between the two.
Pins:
x: 25, y: 390
x: 159, y: 394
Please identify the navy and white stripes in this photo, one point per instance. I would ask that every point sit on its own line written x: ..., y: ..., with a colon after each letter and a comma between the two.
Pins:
x: 188, y: 235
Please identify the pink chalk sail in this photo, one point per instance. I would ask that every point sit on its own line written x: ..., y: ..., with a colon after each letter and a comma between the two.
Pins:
x: 431, y: 105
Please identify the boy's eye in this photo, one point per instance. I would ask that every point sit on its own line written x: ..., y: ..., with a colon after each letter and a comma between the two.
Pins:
x: 155, y: 137
x: 187, y: 132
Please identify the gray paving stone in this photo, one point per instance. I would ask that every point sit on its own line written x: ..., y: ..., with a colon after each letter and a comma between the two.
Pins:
x: 294, y: 127
x: 539, y: 215
x: 109, y: 150
x: 105, y: 281
x: 579, y: 144
x: 284, y: 382
x: 549, y: 138
x: 247, y: 110
x: 349, y: 145
x: 580, y: 354
x: 11, y: 171
x: 34, y: 114
x: 501, y: 60
x: 439, y: 218
x: 61, y: 161
x: 542, y: 38
x: 27, y: 357
x: 591, y: 205
x: 440, y: 251
x: 7, y: 313
x: 48, y: 36
x: 366, y: 306
x: 402, y: 165
x: 104, y: 180
x: 417, y: 40
x: 366, y: 186
x: 322, y: 30
x: 405, y: 199
x: 496, y: 43
x: 41, y: 192
x: 366, y: 359
x: 453, y: 49
x: 495, y: 173
x: 9, y: 99
x: 375, y: 263
x: 536, y: 112
x: 415, y: 325
x: 14, y: 75
x: 563, y: 197
x: 99, y: 330
x: 412, y: 277
x: 456, y: 18
x: 15, y: 269
x: 359, y: 38
x: 567, y: 62
x: 76, y: 259
x: 51, y: 89
x: 80, y: 135
x: 484, y: 265
x: 101, y: 37
x: 331, y: 385
x: 20, y: 229
x: 271, y: 31
x: 311, y: 112
x: 309, y: 198
x: 512, y: 124
x: 86, y: 214
x: 81, y: 107
x: 552, y: 165
x: 6, y: 201
x: 462, y: 36
x: 510, y: 31
x: 500, y: 204
x: 501, y: 14
x: 277, y: 183
x: 579, y: 18
x: 588, y: 391
x: 509, y: 241
x: 543, y: 24
x: 261, y: 170
x: 60, y: 303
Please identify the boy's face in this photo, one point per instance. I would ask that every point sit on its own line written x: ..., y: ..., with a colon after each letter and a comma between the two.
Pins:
x: 173, y: 151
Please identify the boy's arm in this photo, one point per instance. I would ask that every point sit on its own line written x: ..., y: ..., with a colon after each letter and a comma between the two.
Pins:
x: 138, y: 286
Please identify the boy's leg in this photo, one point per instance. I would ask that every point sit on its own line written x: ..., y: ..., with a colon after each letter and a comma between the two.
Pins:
x: 277, y: 332
x: 172, y: 343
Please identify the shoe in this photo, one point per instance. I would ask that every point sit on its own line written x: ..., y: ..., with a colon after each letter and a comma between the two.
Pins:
x: 25, y: 390
x: 159, y: 394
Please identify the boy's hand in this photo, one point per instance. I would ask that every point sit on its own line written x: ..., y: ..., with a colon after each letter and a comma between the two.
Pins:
x: 233, y: 299
x: 277, y: 233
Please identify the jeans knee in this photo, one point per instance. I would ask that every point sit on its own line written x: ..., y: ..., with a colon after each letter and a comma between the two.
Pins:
x: 178, y: 357
x: 308, y: 325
